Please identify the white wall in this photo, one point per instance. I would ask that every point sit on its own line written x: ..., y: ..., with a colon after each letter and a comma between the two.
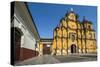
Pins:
x: 27, y: 40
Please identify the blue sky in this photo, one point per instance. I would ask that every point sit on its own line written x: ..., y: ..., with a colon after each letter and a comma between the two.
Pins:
x: 47, y: 16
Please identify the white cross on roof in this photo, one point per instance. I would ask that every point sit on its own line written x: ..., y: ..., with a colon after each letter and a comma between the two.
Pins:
x: 71, y: 9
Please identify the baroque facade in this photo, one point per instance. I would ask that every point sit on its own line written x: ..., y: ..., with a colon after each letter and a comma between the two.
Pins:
x: 72, y: 36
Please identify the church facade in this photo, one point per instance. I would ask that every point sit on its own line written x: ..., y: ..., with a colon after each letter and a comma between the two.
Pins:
x: 72, y: 36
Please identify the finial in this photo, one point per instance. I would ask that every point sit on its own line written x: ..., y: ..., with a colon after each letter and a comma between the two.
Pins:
x: 71, y: 9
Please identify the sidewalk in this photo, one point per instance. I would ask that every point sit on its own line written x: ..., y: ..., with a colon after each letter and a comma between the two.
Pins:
x: 46, y: 59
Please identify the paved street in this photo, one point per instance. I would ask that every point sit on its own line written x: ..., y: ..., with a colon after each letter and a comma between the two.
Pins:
x: 77, y: 58
x: 48, y: 59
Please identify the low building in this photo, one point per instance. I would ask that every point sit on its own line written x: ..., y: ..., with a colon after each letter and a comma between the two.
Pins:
x: 24, y: 35
x: 44, y: 46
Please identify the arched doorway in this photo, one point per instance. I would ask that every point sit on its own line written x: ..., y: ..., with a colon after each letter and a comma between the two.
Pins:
x: 73, y: 48
x: 16, y: 34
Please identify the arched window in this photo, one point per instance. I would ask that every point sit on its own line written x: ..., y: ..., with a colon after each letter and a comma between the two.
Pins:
x: 90, y: 35
x: 89, y: 26
x: 94, y: 35
x: 73, y: 38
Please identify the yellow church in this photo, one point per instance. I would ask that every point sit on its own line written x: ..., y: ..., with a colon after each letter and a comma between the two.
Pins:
x: 72, y: 36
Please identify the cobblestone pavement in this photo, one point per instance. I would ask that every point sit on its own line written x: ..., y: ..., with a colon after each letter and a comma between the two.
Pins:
x: 48, y: 59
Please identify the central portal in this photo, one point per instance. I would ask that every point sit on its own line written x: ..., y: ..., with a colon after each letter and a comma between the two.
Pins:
x: 73, y: 48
